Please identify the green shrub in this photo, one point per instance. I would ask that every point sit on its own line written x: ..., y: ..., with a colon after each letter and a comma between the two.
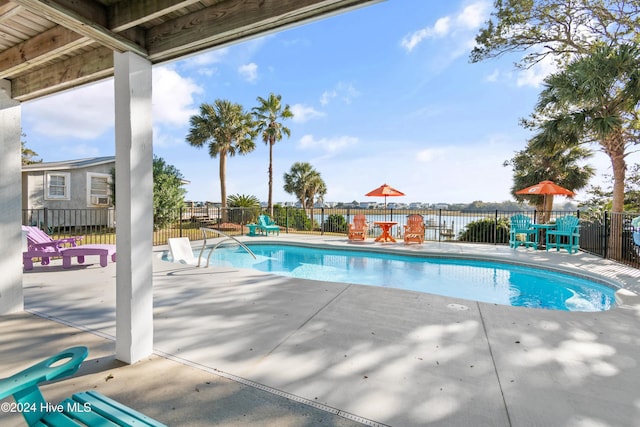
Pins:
x: 484, y: 231
x: 292, y: 218
x: 335, y: 224
x: 244, y: 209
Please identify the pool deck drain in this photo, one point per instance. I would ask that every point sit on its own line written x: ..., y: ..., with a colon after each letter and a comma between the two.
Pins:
x: 375, y: 355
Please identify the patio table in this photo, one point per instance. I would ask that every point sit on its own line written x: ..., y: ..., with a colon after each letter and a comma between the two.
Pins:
x: 385, y: 226
x: 540, y: 230
x: 252, y: 229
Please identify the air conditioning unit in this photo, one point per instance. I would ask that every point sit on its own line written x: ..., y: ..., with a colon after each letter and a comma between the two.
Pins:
x: 100, y: 200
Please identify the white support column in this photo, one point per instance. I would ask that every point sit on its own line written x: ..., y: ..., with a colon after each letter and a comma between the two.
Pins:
x: 134, y: 207
x: 11, y: 297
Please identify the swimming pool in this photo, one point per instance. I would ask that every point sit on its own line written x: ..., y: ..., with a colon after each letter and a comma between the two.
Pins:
x: 484, y: 281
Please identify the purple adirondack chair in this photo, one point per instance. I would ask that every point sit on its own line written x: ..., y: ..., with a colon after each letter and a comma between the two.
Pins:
x: 41, y: 245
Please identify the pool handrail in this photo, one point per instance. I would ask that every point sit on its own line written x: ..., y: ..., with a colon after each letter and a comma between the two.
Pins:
x: 227, y: 237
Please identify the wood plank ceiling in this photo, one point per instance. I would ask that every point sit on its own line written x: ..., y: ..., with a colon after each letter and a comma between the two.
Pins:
x: 47, y: 46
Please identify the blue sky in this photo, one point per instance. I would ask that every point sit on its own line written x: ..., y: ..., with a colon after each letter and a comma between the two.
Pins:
x: 380, y: 94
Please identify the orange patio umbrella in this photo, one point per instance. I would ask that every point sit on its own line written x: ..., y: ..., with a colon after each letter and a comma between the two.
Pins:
x: 545, y: 188
x: 385, y: 190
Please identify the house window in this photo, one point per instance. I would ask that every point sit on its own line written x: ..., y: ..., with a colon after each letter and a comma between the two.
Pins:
x: 99, y: 189
x: 57, y: 186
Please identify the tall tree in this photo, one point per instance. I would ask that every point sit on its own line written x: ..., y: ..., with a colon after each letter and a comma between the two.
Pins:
x: 28, y: 155
x: 564, y: 166
x: 600, y: 198
x: 316, y: 190
x: 585, y: 38
x: 595, y: 99
x: 228, y: 130
x: 305, y: 183
x: 268, y: 116
x: 168, y: 192
x: 560, y: 29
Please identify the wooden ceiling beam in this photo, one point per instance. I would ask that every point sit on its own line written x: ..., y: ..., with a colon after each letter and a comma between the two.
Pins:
x: 94, y: 65
x: 40, y: 49
x: 233, y: 20
x: 7, y: 10
x: 31, y: 66
x: 127, y: 14
x: 87, y: 18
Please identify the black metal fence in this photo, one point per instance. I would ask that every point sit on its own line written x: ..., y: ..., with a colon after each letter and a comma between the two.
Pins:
x: 609, y: 235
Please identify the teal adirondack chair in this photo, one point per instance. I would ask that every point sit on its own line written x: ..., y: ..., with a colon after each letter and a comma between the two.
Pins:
x: 566, y: 234
x: 88, y: 408
x: 635, y: 223
x: 266, y: 225
x: 521, y: 225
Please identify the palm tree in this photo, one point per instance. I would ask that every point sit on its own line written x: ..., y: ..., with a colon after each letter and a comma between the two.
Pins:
x: 250, y: 207
x: 305, y: 182
x: 243, y: 201
x: 595, y: 99
x: 562, y: 165
x: 267, y: 115
x: 316, y: 190
x: 228, y: 130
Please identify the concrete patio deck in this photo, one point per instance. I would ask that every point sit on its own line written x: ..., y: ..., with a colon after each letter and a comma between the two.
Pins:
x: 237, y: 347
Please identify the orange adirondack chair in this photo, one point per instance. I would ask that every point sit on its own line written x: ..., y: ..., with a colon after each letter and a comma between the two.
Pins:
x: 414, y: 230
x: 358, y: 229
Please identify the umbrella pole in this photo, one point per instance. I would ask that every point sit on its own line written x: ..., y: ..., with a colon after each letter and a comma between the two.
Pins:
x: 385, y: 208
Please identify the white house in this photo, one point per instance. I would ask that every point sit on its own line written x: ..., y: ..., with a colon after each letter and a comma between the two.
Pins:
x: 76, y: 192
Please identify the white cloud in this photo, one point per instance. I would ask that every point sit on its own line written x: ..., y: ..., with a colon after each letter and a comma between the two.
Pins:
x: 204, y: 63
x: 173, y: 102
x: 87, y: 112
x: 429, y: 155
x: 327, y: 96
x: 84, y: 113
x: 207, y: 58
x: 493, y: 77
x: 342, y: 91
x: 208, y: 71
x: 535, y: 75
x: 303, y: 113
x: 424, y: 171
x: 469, y: 19
x: 473, y: 16
x: 249, y: 72
x: 441, y: 27
x: 329, y: 145
x: 439, y: 30
x: 529, y: 77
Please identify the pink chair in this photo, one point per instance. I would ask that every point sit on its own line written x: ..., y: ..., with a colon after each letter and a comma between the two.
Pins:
x: 35, y: 237
x: 41, y: 245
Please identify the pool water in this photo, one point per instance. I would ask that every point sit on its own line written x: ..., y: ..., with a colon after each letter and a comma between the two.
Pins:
x: 469, y: 279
